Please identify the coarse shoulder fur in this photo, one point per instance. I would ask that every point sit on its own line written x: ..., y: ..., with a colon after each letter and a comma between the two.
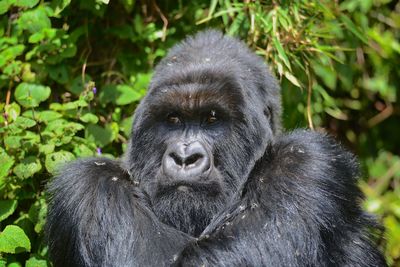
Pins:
x: 97, y: 217
x: 303, y: 206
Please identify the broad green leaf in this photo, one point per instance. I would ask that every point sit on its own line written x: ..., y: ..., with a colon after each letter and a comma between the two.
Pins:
x: 77, y: 86
x: 26, y: 3
x: 47, y: 148
x: 59, y: 73
x: 126, y: 125
x: 34, y: 20
x: 54, y: 160
x: 89, y: 118
x: 24, y: 123
x: 34, y: 262
x: 59, y: 5
x: 12, y: 142
x: 6, y: 162
x: 14, y: 240
x: 13, y: 110
x: 4, y: 6
x: 8, y: 54
x: 7, y: 207
x: 42, y: 116
x: 82, y: 150
x: 48, y: 115
x: 101, y: 136
x: 69, y: 105
x: 30, y: 95
x: 125, y: 94
x: 108, y: 93
x: 37, y: 214
x: 28, y: 167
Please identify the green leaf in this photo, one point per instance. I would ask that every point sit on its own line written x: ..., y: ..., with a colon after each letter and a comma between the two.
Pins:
x: 126, y: 125
x: 59, y: 73
x: 353, y: 28
x: 292, y: 79
x: 59, y: 5
x: 89, y: 118
x: 43, y: 116
x: 128, y: 5
x: 37, y: 214
x: 121, y: 94
x: 34, y: 262
x: 77, y: 86
x: 7, y: 207
x: 26, y: 3
x: 13, y: 110
x: 46, y: 149
x: 99, y: 135
x: 48, y: 115
x: 28, y: 167
x: 14, y: 240
x: 127, y: 95
x: 34, y: 20
x: 24, y: 123
x: 6, y: 162
x: 30, y: 95
x: 10, y: 53
x: 12, y: 142
x: 54, y: 160
x: 4, y: 6
x: 281, y: 52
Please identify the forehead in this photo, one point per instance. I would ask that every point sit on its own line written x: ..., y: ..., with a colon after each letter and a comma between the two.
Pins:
x: 223, y: 94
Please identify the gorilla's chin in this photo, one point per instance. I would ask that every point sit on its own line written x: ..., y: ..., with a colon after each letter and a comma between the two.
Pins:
x: 188, y: 207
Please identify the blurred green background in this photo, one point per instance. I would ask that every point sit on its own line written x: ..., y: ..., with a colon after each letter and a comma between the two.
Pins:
x: 72, y: 73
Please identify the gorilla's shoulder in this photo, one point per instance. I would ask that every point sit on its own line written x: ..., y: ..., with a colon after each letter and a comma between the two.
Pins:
x: 314, y: 151
x: 310, y: 164
x: 87, y: 174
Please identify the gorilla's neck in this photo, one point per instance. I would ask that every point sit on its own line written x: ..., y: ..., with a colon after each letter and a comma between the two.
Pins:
x: 189, y: 212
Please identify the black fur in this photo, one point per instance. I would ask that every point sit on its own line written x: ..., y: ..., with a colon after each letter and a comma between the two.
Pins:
x: 268, y: 199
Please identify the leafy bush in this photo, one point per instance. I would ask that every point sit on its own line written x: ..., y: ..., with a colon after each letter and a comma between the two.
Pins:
x: 72, y: 73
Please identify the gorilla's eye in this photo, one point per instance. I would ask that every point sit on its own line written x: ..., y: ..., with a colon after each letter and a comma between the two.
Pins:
x: 173, y: 118
x: 212, y: 117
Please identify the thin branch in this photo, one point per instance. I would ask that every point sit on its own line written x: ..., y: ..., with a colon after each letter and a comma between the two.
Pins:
x: 309, y: 92
x: 383, y: 115
x: 163, y: 18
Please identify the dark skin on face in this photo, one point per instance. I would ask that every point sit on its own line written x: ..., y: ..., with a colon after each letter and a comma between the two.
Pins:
x: 192, y: 118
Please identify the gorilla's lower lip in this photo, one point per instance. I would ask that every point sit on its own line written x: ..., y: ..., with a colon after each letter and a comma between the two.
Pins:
x: 183, y: 188
x: 211, y: 188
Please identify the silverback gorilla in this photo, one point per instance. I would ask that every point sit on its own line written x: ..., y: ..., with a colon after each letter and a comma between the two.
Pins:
x: 209, y: 179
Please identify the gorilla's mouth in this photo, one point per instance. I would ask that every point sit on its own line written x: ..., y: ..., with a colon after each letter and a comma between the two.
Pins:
x: 210, y: 189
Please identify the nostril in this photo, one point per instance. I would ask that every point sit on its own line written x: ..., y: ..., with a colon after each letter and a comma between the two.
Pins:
x: 176, y: 158
x: 193, y: 159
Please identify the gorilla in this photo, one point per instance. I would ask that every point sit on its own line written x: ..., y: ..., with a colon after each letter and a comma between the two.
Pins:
x: 210, y: 179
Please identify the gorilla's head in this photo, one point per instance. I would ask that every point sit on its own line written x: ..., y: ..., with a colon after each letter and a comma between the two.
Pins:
x: 210, y: 112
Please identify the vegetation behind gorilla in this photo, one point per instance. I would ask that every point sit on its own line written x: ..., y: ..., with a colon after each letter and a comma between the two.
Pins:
x: 209, y: 179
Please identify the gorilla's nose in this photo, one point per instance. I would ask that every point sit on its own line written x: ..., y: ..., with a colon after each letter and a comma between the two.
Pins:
x: 185, y: 161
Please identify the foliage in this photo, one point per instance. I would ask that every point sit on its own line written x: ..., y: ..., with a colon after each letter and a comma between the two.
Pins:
x: 72, y: 73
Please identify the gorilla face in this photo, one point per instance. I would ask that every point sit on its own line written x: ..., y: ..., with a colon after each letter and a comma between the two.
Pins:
x: 207, y: 117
